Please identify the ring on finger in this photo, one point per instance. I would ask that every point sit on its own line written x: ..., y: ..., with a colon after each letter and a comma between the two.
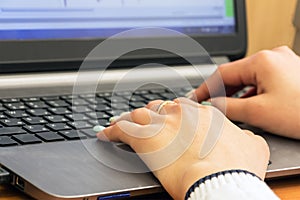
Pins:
x: 161, y: 106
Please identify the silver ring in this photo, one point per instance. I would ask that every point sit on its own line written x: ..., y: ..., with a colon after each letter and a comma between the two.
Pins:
x: 160, y: 107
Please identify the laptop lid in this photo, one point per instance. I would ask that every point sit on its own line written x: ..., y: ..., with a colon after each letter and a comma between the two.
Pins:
x: 41, y: 35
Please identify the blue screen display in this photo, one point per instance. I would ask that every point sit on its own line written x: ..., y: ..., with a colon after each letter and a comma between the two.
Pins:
x: 85, y: 19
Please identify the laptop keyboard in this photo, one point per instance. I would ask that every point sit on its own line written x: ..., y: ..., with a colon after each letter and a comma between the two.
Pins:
x: 36, y: 120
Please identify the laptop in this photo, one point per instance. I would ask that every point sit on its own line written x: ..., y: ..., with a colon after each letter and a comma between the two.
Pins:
x: 48, y: 146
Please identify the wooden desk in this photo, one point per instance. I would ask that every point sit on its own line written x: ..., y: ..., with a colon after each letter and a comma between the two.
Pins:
x: 287, y: 189
x: 270, y: 24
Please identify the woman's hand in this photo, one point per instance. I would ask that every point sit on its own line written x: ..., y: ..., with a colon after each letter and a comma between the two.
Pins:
x: 274, y: 102
x: 170, y: 143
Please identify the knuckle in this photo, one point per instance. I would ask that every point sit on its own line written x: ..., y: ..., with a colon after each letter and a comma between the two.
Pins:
x: 176, y: 107
x: 265, y: 56
x: 179, y: 99
x: 153, y: 104
x: 222, y: 67
x: 282, y: 48
x: 139, y: 112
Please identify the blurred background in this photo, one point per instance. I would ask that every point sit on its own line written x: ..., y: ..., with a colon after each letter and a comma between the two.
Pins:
x: 270, y: 24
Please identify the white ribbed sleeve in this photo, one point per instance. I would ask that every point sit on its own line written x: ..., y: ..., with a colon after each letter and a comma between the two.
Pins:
x: 232, y: 186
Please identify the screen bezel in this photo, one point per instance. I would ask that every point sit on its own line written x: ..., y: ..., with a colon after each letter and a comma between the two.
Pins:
x: 53, y: 55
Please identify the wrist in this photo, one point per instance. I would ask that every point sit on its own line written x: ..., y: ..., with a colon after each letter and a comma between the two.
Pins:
x: 199, y: 174
x: 192, y: 174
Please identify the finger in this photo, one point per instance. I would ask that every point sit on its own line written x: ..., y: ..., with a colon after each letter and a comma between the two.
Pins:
x: 119, y: 132
x: 241, y: 109
x: 153, y: 105
x: 250, y: 133
x: 142, y: 116
x: 162, y: 107
x: 182, y: 100
x: 235, y: 74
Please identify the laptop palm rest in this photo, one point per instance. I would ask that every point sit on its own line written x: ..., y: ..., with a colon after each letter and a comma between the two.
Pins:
x: 75, y: 169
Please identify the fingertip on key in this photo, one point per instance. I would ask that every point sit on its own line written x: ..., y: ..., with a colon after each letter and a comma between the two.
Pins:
x: 98, y: 128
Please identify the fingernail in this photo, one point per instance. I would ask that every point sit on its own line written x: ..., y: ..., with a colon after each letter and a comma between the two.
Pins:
x: 206, y: 103
x: 113, y: 119
x: 98, y: 128
x: 101, y: 136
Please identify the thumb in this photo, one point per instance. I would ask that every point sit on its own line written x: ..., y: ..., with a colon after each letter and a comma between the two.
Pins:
x: 236, y: 109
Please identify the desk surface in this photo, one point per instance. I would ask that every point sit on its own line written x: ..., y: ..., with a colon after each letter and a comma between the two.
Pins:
x: 287, y: 189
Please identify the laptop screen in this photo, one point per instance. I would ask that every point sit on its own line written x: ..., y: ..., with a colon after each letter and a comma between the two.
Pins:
x: 51, y: 32
x: 85, y: 19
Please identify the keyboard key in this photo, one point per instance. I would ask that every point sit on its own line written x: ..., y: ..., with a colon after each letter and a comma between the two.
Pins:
x: 187, y: 89
x: 2, y: 108
x: 38, y: 112
x: 137, y: 104
x: 118, y: 99
x: 11, y: 131
x: 179, y: 92
x: 16, y: 113
x: 93, y: 100
x: 116, y: 112
x: 37, y: 105
x: 87, y: 96
x: 10, y: 100
x: 102, y: 107
x: 50, y: 136
x: 65, y: 97
x: 72, y: 135
x: 58, y: 126
x: 98, y: 115
x: 26, y: 139
x: 49, y: 98
x: 94, y: 122
x: 7, y: 141
x: 77, y: 102
x: 56, y: 118
x: 34, y: 120
x: 89, y: 132
x: 120, y: 106
x: 81, y: 109
x: 169, y: 96
x: 157, y: 91
x: 123, y: 93
x: 12, y: 122
x: 36, y: 128
x: 103, y: 122
x: 80, y: 124
x: 151, y: 97
x: 58, y: 103
x: 105, y: 94
x: 30, y: 99
x: 139, y: 92
x: 77, y: 117
x: 15, y: 106
x: 137, y: 98
x: 60, y: 111
x: 102, y: 101
x: 2, y: 116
